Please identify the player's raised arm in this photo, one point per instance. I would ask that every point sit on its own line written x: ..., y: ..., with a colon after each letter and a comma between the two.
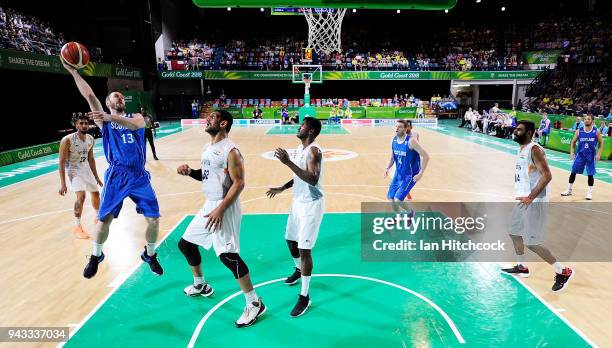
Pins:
x: 86, y: 90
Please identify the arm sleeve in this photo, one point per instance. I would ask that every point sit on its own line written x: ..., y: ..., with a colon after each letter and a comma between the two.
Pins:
x: 196, y: 174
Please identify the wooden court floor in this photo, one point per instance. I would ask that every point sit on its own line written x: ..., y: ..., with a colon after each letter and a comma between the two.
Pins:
x: 41, y: 263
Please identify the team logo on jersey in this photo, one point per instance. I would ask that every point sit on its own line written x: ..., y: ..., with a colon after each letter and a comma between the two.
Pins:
x: 329, y: 155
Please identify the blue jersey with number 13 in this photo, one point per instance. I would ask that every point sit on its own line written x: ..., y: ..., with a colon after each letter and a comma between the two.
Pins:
x: 123, y: 146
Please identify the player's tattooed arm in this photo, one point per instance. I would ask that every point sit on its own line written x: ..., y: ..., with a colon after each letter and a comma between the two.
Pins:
x: 599, y: 146
x: 573, y: 143
x: 235, y: 168
x: 539, y: 159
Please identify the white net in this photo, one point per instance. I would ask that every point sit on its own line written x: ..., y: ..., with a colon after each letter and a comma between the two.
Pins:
x: 324, y: 28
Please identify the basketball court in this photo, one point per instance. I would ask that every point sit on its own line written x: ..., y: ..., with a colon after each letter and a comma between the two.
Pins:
x: 354, y: 302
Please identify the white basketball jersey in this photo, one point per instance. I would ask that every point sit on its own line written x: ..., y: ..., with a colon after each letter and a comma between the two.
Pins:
x: 215, y: 176
x: 527, y: 175
x: 303, y: 191
x: 79, y: 151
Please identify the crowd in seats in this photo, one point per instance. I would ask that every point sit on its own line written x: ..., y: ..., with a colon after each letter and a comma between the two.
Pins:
x: 492, y: 122
x: 21, y: 32
x: 188, y: 55
x: 24, y: 33
x: 238, y: 55
x: 572, y: 92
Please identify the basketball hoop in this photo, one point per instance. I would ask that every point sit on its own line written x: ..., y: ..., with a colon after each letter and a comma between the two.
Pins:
x: 324, y: 28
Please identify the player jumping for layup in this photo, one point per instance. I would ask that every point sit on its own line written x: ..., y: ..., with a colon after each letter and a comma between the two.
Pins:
x: 588, y: 137
x: 75, y: 150
x: 218, y: 222
x: 307, y: 207
x: 125, y: 151
x: 410, y: 161
x: 529, y: 216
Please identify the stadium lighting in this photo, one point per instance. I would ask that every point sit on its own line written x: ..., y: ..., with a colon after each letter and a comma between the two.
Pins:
x: 503, y: 8
x: 229, y: 8
x: 478, y: 1
x: 399, y: 11
x: 462, y: 85
x: 354, y: 10
x: 445, y: 11
x: 261, y: 9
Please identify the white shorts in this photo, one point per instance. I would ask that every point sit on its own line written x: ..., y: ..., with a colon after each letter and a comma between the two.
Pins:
x: 530, y: 223
x: 82, y: 180
x: 304, y: 222
x: 224, y: 240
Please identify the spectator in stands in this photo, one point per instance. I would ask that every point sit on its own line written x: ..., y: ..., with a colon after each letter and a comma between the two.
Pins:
x: 257, y: 113
x: 544, y: 130
x: 603, y: 128
x: 495, y: 108
x: 285, y: 116
x: 348, y: 113
x: 578, y: 124
x: 195, y: 109
x: 467, y: 117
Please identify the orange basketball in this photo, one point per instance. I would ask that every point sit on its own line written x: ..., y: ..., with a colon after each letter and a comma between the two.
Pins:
x: 75, y: 54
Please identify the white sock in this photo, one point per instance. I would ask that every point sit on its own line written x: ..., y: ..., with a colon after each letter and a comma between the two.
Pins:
x: 199, y: 280
x: 78, y: 221
x: 590, y: 189
x: 150, y: 249
x: 569, y: 187
x: 305, y: 285
x: 558, y: 267
x: 97, y: 249
x: 520, y: 260
x: 298, y: 262
x: 250, y: 297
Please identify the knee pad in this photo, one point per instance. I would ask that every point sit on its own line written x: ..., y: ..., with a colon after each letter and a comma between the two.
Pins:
x: 234, y: 263
x: 191, y: 252
x: 293, y: 248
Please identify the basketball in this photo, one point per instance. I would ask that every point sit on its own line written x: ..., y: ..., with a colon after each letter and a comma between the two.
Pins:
x: 75, y: 54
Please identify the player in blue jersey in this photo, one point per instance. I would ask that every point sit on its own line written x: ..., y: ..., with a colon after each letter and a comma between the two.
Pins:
x: 410, y: 161
x: 125, y: 150
x: 544, y: 130
x: 590, y: 147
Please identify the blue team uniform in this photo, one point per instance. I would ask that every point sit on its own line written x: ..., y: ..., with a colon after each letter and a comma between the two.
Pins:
x: 585, y: 156
x: 545, y: 130
x: 125, y: 152
x: 407, y: 165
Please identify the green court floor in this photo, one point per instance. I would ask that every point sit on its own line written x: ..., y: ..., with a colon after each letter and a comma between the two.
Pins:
x: 355, y: 303
x: 293, y: 129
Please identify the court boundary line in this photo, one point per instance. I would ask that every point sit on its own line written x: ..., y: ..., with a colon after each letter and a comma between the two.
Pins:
x: 112, y: 292
x: 552, y: 309
x: 210, y: 312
